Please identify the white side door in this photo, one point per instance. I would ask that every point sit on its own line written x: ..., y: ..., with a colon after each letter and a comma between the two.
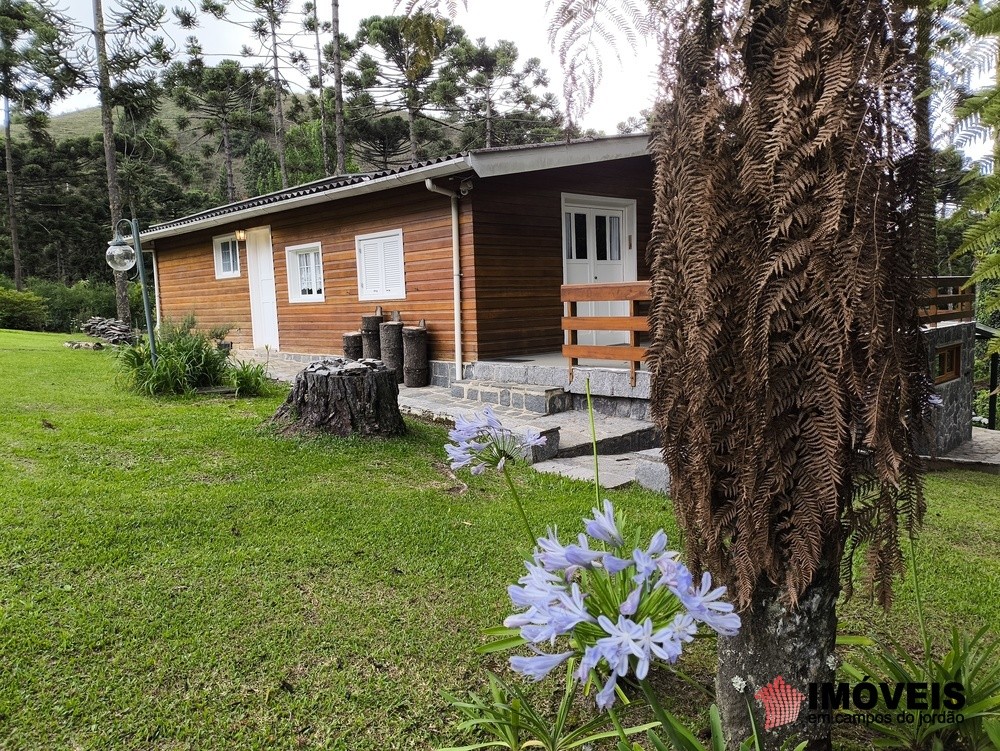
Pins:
x: 598, y: 248
x: 263, y: 298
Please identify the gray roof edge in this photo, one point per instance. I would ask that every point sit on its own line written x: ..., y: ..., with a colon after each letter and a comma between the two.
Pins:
x: 183, y: 226
x: 498, y: 162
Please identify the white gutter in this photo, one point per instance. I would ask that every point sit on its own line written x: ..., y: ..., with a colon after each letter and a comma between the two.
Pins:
x: 409, y: 177
x: 456, y: 266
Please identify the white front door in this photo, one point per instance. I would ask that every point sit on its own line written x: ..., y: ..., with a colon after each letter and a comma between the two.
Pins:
x: 599, y: 247
x: 263, y: 299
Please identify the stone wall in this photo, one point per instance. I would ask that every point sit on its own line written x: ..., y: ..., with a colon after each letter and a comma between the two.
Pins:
x: 953, y: 419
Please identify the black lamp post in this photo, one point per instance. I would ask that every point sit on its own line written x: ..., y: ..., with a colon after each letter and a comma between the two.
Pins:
x: 121, y: 257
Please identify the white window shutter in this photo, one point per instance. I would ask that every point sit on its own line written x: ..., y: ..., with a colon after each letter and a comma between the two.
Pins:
x: 370, y: 267
x: 381, y: 274
x: 392, y: 259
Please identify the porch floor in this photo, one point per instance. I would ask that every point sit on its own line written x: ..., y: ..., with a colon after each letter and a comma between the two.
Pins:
x: 557, y: 359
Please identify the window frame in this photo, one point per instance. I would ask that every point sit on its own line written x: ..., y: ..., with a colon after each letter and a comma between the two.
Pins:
x: 946, y: 373
x: 292, y: 253
x: 364, y: 296
x: 217, y: 242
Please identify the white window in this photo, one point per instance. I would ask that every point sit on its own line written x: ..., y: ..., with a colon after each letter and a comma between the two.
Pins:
x: 227, y: 257
x: 305, y: 272
x: 380, y: 266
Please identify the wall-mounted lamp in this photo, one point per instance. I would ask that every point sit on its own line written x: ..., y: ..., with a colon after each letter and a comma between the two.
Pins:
x: 241, y: 235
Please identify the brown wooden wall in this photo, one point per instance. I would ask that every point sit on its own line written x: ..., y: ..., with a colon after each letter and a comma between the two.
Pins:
x: 425, y: 219
x: 187, y: 283
x: 518, y: 259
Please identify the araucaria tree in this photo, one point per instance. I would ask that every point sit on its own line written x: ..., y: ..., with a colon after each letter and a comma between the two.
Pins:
x: 221, y: 101
x: 788, y: 374
x: 34, y: 71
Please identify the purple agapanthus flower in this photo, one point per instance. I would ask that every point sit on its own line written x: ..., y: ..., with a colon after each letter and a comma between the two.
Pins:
x: 603, y: 527
x: 706, y: 605
x: 540, y: 665
x: 594, y: 598
x: 481, y: 442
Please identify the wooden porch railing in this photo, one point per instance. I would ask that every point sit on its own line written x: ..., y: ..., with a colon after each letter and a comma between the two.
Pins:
x: 944, y: 301
x: 633, y: 324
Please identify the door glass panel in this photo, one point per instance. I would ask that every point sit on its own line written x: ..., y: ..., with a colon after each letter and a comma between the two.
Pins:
x: 580, y: 235
x: 568, y: 235
x: 615, y: 237
x: 601, y: 235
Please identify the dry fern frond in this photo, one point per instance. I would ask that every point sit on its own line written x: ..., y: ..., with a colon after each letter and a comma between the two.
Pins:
x: 788, y: 373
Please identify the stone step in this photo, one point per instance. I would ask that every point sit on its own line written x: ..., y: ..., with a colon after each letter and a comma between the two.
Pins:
x: 623, y: 440
x: 542, y: 400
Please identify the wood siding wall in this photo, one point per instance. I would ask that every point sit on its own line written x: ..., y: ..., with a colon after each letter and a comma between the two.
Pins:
x: 187, y: 276
x: 518, y: 259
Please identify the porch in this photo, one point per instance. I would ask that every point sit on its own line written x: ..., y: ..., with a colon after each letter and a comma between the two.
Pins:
x: 948, y: 300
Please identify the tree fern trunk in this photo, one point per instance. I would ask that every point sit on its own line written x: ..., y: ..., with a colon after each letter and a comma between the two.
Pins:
x: 779, y: 640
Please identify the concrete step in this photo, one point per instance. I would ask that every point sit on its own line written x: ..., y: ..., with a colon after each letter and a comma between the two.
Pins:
x: 542, y: 400
x: 616, y: 470
x: 623, y: 440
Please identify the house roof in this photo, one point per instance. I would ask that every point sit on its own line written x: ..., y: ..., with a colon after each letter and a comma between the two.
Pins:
x: 492, y: 162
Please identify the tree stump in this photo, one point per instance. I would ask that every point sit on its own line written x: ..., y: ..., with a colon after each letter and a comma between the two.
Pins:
x: 342, y: 397
x: 353, y: 349
x: 370, y: 344
x: 415, y: 367
x: 391, y: 344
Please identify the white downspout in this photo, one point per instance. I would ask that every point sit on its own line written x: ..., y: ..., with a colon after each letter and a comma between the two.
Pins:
x: 456, y: 265
x: 156, y: 286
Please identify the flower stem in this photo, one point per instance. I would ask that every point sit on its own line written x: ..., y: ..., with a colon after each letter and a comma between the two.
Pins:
x: 920, y: 602
x: 593, y: 442
x: 520, y: 508
x: 618, y: 725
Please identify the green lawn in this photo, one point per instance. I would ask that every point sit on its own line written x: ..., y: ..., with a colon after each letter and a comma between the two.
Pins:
x: 175, y: 575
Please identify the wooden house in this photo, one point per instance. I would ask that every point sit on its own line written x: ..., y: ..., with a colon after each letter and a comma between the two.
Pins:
x: 477, y: 244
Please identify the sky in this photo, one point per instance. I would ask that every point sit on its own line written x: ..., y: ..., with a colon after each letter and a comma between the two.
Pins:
x: 626, y: 88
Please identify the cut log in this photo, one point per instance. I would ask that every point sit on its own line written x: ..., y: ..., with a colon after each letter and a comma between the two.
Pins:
x: 370, y: 336
x: 353, y: 349
x: 342, y: 397
x: 416, y: 372
x: 391, y: 345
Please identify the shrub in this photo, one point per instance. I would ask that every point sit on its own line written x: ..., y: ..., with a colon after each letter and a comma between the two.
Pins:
x: 249, y: 379
x: 69, y: 306
x: 186, y: 360
x: 22, y: 310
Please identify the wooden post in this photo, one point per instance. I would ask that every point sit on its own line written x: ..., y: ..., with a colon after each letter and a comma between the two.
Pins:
x: 353, y: 349
x: 370, y: 341
x: 416, y: 372
x: 391, y: 345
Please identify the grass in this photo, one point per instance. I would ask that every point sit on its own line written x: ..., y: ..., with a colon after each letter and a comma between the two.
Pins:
x: 175, y: 575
